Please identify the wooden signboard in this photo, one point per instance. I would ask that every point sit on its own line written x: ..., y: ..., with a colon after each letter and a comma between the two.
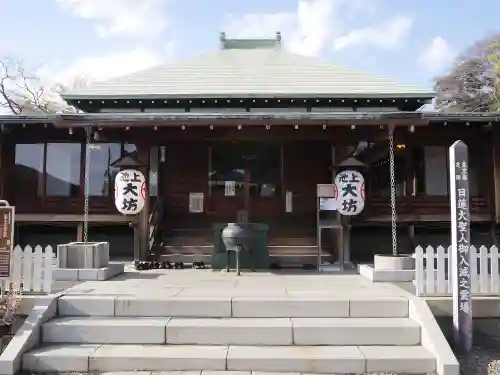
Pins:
x: 6, y: 238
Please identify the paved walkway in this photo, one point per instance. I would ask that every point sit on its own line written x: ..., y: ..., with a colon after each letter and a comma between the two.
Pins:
x: 211, y: 283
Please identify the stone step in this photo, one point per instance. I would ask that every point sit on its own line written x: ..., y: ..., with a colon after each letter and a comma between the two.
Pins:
x: 233, y: 331
x: 238, y: 307
x: 299, y: 359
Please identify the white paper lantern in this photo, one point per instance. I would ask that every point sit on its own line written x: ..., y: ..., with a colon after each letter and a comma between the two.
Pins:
x: 130, y: 191
x: 351, y: 192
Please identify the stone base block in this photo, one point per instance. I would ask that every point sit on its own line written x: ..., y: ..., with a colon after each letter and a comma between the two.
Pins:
x: 105, y: 330
x: 355, y: 331
x: 214, y: 307
x: 88, y: 274
x: 392, y: 262
x: 86, y: 305
x: 372, y: 274
x: 232, y: 331
x: 303, y: 359
x: 286, y: 307
x: 83, y: 255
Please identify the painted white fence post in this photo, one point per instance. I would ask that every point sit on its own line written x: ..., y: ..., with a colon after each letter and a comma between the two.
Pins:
x: 31, y: 269
x: 27, y: 272
x: 47, y: 270
x: 474, y: 280
x: 436, y: 280
x: 419, y: 271
x: 495, y: 278
x: 441, y: 272
x: 450, y: 267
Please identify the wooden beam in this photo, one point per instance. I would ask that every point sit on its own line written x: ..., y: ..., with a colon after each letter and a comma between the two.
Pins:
x: 496, y: 172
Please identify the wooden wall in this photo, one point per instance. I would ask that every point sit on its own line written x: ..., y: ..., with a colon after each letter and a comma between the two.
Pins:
x: 305, y: 163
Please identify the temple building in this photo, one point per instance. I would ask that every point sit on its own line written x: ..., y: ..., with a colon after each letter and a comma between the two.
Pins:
x: 246, y: 132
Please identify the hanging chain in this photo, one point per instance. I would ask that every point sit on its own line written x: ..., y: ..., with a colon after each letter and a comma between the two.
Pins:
x: 88, y: 134
x: 393, y: 192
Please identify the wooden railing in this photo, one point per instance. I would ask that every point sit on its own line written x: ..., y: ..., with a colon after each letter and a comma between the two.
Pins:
x: 420, y: 205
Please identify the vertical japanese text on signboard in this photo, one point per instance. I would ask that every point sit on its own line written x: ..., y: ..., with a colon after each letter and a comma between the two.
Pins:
x: 461, y: 175
x: 130, y: 191
x: 351, y: 186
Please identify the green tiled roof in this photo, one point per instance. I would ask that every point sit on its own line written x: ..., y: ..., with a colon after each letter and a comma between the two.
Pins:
x: 249, y: 68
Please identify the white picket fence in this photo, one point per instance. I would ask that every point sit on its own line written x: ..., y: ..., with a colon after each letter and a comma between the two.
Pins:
x: 433, y: 276
x: 32, y: 268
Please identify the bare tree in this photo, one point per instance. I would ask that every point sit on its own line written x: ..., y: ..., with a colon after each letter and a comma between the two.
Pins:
x: 23, y: 92
x: 473, y: 82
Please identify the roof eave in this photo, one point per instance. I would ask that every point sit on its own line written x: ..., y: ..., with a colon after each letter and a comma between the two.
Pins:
x: 41, y: 118
x: 139, y: 96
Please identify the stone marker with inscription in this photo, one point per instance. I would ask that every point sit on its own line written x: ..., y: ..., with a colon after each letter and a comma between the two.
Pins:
x: 460, y: 244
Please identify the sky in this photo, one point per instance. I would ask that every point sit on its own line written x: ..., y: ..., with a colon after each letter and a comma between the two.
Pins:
x: 410, y: 41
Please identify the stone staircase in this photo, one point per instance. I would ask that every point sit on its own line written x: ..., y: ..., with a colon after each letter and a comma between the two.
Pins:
x: 269, y: 334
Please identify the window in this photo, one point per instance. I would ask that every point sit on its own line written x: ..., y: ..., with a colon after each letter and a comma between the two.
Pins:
x: 432, y: 171
x: 381, y: 175
x: 258, y: 163
x: 436, y: 170
x: 153, y: 172
x: 28, y: 170
x: 101, y: 175
x: 63, y: 169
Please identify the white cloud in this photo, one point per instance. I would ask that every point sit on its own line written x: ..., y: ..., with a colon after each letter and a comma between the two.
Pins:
x: 316, y: 24
x: 305, y: 30
x: 99, y: 68
x: 121, y: 17
x: 437, y: 56
x: 388, y: 34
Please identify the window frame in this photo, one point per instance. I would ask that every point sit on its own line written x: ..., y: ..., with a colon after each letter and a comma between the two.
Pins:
x: 240, y: 191
x: 43, y: 197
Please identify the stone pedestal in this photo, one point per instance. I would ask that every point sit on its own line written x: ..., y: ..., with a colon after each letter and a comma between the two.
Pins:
x: 394, y: 263
x: 83, y: 255
x: 389, y: 268
x: 85, y: 261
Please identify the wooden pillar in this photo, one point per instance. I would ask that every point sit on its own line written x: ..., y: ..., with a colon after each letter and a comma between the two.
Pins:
x: 410, y: 172
x: 344, y: 232
x: 7, y: 165
x: 142, y: 232
x: 496, y: 173
x: 2, y: 170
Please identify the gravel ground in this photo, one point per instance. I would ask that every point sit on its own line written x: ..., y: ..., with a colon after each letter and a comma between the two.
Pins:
x: 481, y: 361
x: 484, y: 358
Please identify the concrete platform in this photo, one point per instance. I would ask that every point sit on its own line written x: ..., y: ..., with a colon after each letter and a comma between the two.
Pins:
x: 304, y: 359
x: 209, y: 283
x: 88, y: 274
